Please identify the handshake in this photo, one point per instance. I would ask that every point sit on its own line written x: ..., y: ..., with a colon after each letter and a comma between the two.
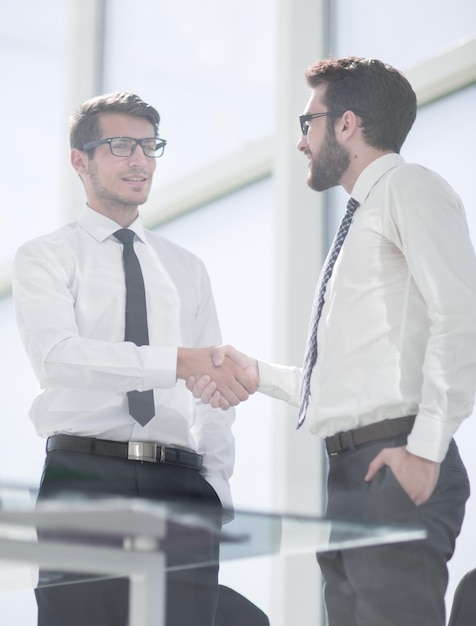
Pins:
x: 220, y: 376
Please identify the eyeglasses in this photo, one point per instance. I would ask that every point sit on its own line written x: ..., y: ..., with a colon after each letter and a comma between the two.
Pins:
x: 305, y: 119
x: 125, y: 146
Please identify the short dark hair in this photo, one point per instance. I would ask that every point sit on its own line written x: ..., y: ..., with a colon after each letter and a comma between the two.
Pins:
x: 376, y: 91
x: 84, y: 123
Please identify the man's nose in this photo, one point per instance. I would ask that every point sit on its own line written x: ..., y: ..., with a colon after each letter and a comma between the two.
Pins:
x: 302, y: 144
x: 138, y: 157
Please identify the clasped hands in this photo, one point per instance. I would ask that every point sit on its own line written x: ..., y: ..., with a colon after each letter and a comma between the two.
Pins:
x: 220, y: 376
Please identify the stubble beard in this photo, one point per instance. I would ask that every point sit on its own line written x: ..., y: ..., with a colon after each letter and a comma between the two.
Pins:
x: 114, y: 201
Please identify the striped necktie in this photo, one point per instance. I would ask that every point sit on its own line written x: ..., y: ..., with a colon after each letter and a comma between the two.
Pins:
x: 311, y: 349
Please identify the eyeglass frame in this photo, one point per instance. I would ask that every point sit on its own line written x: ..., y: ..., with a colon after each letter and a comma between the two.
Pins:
x: 307, y: 117
x: 90, y: 145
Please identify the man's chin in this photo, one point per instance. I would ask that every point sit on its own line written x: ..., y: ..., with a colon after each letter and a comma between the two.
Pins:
x: 136, y: 199
x: 315, y: 185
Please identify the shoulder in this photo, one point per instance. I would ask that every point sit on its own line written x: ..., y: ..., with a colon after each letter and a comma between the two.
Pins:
x: 415, y: 198
x: 413, y: 187
x: 58, y: 241
x: 411, y: 176
x: 52, y: 255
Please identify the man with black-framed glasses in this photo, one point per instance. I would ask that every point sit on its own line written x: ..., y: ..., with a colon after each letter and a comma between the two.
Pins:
x: 113, y: 317
x: 389, y: 372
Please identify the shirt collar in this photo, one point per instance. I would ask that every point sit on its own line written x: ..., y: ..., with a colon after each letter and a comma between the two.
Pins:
x: 372, y: 173
x: 101, y: 227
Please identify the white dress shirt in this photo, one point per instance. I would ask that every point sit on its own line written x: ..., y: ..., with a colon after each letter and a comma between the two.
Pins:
x: 69, y: 296
x: 397, y: 335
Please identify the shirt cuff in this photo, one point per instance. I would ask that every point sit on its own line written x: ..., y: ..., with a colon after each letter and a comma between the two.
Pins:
x: 430, y: 438
x: 267, y: 376
x: 159, y: 367
x: 280, y: 381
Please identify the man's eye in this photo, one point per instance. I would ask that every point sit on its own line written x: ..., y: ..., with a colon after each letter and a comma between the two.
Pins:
x: 122, y: 145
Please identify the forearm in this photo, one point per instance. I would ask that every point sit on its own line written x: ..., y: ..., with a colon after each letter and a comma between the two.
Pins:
x: 447, y: 395
x: 83, y: 363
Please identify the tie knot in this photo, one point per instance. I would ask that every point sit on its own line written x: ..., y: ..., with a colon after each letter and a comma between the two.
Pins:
x: 352, y: 205
x: 125, y: 235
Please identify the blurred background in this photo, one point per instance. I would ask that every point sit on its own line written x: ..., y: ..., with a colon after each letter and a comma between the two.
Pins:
x: 228, y: 81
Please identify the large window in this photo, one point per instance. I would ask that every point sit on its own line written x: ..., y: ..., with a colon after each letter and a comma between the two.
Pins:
x: 403, y: 32
x: 207, y: 66
x: 32, y: 62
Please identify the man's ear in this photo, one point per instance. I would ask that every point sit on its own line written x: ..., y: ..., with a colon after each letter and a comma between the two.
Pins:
x: 348, y: 124
x: 79, y: 161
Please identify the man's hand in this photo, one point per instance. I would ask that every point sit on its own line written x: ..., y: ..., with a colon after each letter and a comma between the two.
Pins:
x: 220, y: 378
x: 417, y: 476
x: 206, y: 387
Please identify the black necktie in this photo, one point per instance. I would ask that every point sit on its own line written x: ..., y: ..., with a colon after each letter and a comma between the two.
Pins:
x: 311, y: 349
x: 141, y: 403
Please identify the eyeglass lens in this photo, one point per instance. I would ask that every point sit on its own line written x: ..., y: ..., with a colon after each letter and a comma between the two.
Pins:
x: 304, y: 121
x: 125, y: 146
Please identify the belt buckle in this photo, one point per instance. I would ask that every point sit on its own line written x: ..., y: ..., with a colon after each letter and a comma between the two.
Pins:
x: 145, y: 451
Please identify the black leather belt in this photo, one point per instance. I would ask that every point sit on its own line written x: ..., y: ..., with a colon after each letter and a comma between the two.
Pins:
x: 386, y: 429
x: 132, y: 450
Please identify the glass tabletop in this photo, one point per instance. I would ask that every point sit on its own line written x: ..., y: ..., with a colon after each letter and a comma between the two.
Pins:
x: 132, y: 526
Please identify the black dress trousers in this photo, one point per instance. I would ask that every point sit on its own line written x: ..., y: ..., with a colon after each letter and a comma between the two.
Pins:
x: 191, y: 593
